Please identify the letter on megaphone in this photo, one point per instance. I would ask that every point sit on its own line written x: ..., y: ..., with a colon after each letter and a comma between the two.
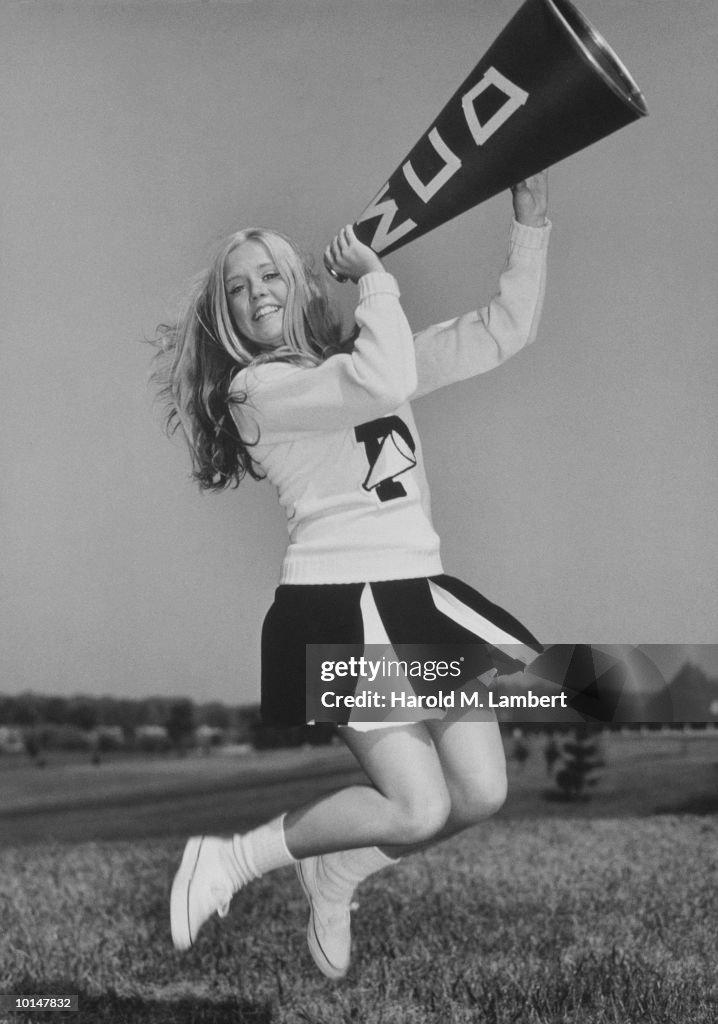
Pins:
x: 549, y: 86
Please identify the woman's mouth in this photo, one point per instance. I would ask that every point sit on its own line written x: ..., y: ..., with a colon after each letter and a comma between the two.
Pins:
x: 264, y: 311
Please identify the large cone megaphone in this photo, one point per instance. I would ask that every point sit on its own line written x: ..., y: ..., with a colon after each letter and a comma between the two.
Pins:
x: 549, y: 86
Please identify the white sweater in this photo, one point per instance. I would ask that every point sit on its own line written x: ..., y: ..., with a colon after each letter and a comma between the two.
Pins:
x: 339, y: 441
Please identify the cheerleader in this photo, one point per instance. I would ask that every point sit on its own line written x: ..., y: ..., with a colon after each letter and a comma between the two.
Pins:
x: 258, y: 378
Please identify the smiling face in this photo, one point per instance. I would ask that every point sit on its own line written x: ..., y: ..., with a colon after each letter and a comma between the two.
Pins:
x: 256, y: 294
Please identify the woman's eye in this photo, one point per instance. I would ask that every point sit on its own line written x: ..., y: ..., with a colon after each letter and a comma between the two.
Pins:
x: 270, y: 275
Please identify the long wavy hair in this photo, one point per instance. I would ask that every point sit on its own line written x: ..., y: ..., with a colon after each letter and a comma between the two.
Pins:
x: 199, y: 354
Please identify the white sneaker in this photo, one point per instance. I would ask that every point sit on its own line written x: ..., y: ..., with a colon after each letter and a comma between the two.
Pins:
x: 201, y: 887
x: 329, y: 928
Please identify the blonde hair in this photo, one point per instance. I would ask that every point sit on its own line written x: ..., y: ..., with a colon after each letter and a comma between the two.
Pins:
x: 199, y: 354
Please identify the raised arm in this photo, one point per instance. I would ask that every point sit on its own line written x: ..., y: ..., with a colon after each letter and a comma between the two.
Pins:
x: 479, y: 341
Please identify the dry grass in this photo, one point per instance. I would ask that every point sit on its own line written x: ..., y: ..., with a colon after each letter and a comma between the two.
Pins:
x: 557, y: 921
x: 597, y: 913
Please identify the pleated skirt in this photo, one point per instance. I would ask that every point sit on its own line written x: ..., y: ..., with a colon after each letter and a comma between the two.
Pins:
x: 437, y: 613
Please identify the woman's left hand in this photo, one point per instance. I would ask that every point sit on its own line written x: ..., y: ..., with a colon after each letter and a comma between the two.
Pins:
x: 347, y: 258
x: 531, y: 200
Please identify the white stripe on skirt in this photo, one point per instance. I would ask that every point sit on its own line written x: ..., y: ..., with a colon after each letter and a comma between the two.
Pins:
x: 483, y: 628
x: 374, y: 633
x: 449, y: 605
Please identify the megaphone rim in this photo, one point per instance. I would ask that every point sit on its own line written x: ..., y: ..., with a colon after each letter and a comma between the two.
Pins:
x: 571, y: 20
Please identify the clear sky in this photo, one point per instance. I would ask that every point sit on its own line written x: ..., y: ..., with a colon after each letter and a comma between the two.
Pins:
x: 576, y: 485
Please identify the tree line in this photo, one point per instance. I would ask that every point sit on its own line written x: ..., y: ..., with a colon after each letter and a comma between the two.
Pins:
x: 87, y: 712
x: 55, y: 721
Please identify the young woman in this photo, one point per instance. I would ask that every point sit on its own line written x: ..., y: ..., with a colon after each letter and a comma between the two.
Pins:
x: 258, y: 378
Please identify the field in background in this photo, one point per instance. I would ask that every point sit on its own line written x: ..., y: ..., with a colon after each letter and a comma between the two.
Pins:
x: 551, y: 913
x: 72, y: 800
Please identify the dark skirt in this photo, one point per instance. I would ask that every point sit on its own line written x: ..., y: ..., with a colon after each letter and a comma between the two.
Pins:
x: 439, y: 611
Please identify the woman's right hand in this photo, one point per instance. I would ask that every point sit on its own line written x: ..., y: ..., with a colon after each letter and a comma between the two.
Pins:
x: 530, y: 199
x: 349, y: 258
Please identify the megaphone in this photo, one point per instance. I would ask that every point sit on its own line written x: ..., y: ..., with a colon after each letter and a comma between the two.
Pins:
x: 549, y: 86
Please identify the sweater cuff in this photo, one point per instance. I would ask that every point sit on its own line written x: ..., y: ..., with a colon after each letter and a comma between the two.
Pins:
x: 528, y: 237
x: 378, y: 282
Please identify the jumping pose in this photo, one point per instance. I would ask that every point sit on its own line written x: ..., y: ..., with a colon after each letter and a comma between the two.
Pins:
x: 259, y: 379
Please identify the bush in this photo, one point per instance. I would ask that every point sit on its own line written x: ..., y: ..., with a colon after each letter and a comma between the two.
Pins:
x: 581, y: 759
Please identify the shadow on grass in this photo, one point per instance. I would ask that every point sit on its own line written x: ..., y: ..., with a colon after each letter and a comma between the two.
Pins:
x: 111, y: 1008
x: 706, y: 803
x: 558, y: 796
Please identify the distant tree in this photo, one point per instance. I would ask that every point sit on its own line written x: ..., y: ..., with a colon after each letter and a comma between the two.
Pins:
x: 520, y: 751
x: 7, y: 710
x: 180, y: 724
x: 581, y: 758
x: 216, y: 715
x: 34, y: 743
x: 125, y: 713
x: 32, y: 747
x: 83, y: 714
x: 26, y: 711
x: 154, y: 711
x: 55, y: 710
x: 551, y: 754
x: 244, y: 721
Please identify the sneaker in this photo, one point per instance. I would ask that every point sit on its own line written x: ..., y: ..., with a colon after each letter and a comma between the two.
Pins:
x: 329, y: 929
x: 201, y: 888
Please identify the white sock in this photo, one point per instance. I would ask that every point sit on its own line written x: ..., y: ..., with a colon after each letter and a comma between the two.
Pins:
x: 342, y: 872
x: 254, y: 853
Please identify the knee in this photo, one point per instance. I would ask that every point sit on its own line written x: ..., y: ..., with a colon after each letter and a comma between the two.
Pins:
x: 422, y: 816
x: 479, y: 798
x: 495, y: 796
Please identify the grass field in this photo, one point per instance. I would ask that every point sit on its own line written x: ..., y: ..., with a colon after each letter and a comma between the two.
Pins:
x: 598, y: 913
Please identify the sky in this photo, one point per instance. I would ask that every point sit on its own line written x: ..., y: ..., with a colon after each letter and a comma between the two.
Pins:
x: 575, y: 486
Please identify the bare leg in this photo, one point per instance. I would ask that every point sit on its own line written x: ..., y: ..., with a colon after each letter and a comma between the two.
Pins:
x: 407, y: 803
x: 461, y: 771
x: 473, y: 763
